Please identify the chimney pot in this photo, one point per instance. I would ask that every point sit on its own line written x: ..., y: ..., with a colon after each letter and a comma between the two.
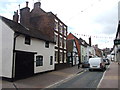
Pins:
x: 15, y: 16
x: 90, y: 41
x: 27, y: 3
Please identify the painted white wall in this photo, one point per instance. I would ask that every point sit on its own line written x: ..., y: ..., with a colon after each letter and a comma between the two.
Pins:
x: 75, y: 56
x: 0, y: 48
x: 115, y: 50
x: 83, y: 53
x: 118, y: 10
x: 92, y: 50
x: 39, y: 47
x: 87, y: 51
x: 7, y: 50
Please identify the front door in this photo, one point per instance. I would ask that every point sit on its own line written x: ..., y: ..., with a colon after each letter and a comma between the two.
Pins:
x: 24, y: 64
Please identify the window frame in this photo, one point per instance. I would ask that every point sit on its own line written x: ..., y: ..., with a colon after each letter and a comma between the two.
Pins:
x: 40, y: 61
x: 27, y: 40
x: 47, y: 44
x: 51, y: 60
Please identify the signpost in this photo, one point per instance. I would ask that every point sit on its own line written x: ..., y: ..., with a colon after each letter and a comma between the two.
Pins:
x: 117, y: 42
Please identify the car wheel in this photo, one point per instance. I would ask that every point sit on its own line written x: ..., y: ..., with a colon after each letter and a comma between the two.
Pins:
x: 82, y: 66
x: 103, y: 69
x: 90, y: 70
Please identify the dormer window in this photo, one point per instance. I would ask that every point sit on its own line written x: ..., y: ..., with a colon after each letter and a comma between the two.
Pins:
x: 27, y: 40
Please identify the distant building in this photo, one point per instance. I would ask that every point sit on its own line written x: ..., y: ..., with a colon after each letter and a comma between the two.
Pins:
x: 106, y: 52
x: 87, y: 51
x: 83, y: 49
x: 76, y: 40
x: 98, y: 51
x: 72, y: 52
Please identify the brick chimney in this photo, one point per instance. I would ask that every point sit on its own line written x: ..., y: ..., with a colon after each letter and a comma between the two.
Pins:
x: 25, y: 16
x: 37, y: 5
x: 90, y: 41
x: 16, y: 16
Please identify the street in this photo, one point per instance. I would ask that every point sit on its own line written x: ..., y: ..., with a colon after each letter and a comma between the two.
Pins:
x: 69, y: 78
x: 83, y: 80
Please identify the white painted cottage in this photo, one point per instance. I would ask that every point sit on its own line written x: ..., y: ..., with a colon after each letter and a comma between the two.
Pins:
x: 24, y: 52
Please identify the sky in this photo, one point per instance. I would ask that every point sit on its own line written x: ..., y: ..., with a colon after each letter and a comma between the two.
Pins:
x: 84, y: 18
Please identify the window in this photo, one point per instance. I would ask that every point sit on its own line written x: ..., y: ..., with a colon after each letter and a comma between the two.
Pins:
x: 64, y: 30
x: 65, y: 57
x: 51, y: 60
x: 60, y: 41
x: 27, y: 40
x: 56, y: 25
x: 61, y: 57
x: 56, y: 39
x: 47, y: 44
x: 56, y: 56
x: 39, y: 60
x: 61, y: 29
x: 64, y: 43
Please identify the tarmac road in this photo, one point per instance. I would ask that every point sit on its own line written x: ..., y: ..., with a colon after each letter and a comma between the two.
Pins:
x: 85, y: 80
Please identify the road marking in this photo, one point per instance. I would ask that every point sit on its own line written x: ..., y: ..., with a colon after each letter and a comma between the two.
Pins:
x: 102, y: 77
x: 66, y: 79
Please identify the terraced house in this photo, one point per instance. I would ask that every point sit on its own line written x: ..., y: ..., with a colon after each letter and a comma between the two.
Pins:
x: 49, y: 24
x: 25, y: 52
x: 74, y: 49
x: 35, y: 44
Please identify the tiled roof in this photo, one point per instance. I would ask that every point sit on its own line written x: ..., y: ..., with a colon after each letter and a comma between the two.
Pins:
x: 18, y: 28
x: 71, y: 36
x: 84, y: 44
x: 70, y: 45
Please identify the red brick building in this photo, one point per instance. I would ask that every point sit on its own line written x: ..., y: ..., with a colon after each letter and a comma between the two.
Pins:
x: 49, y: 24
x: 72, y: 37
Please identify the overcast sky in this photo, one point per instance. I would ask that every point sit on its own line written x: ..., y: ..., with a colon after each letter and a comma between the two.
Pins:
x: 84, y: 18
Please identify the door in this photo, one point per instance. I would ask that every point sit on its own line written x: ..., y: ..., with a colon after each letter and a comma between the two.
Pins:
x: 24, y: 64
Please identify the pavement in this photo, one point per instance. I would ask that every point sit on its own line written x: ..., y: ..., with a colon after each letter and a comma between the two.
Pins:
x: 111, y: 77
x: 46, y: 80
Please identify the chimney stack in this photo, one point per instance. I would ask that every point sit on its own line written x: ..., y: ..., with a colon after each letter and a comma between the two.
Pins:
x: 37, y: 5
x: 16, y: 16
x: 25, y: 16
x: 90, y: 41
x: 27, y: 3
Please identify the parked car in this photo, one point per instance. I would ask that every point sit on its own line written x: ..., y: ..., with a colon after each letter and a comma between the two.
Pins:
x: 97, y: 63
x: 107, y: 61
x: 85, y: 64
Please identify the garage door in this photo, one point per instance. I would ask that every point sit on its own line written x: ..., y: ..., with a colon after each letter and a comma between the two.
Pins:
x: 24, y: 64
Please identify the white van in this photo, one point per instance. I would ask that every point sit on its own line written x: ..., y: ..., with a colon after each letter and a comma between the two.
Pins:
x: 97, y: 63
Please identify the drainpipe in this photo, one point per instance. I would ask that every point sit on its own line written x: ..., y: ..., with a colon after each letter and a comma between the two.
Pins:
x: 14, y: 42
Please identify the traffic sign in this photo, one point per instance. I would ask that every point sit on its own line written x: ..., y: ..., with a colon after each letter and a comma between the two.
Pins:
x: 117, y: 42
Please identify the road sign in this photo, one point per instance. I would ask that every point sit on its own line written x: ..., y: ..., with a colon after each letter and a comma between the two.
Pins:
x: 117, y: 42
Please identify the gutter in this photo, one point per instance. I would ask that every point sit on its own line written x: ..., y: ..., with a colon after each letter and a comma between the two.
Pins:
x: 14, y: 42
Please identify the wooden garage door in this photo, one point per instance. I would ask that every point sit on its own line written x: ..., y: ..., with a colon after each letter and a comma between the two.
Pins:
x: 24, y: 64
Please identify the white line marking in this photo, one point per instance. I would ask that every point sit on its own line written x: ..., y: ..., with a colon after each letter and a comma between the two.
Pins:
x: 66, y: 79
